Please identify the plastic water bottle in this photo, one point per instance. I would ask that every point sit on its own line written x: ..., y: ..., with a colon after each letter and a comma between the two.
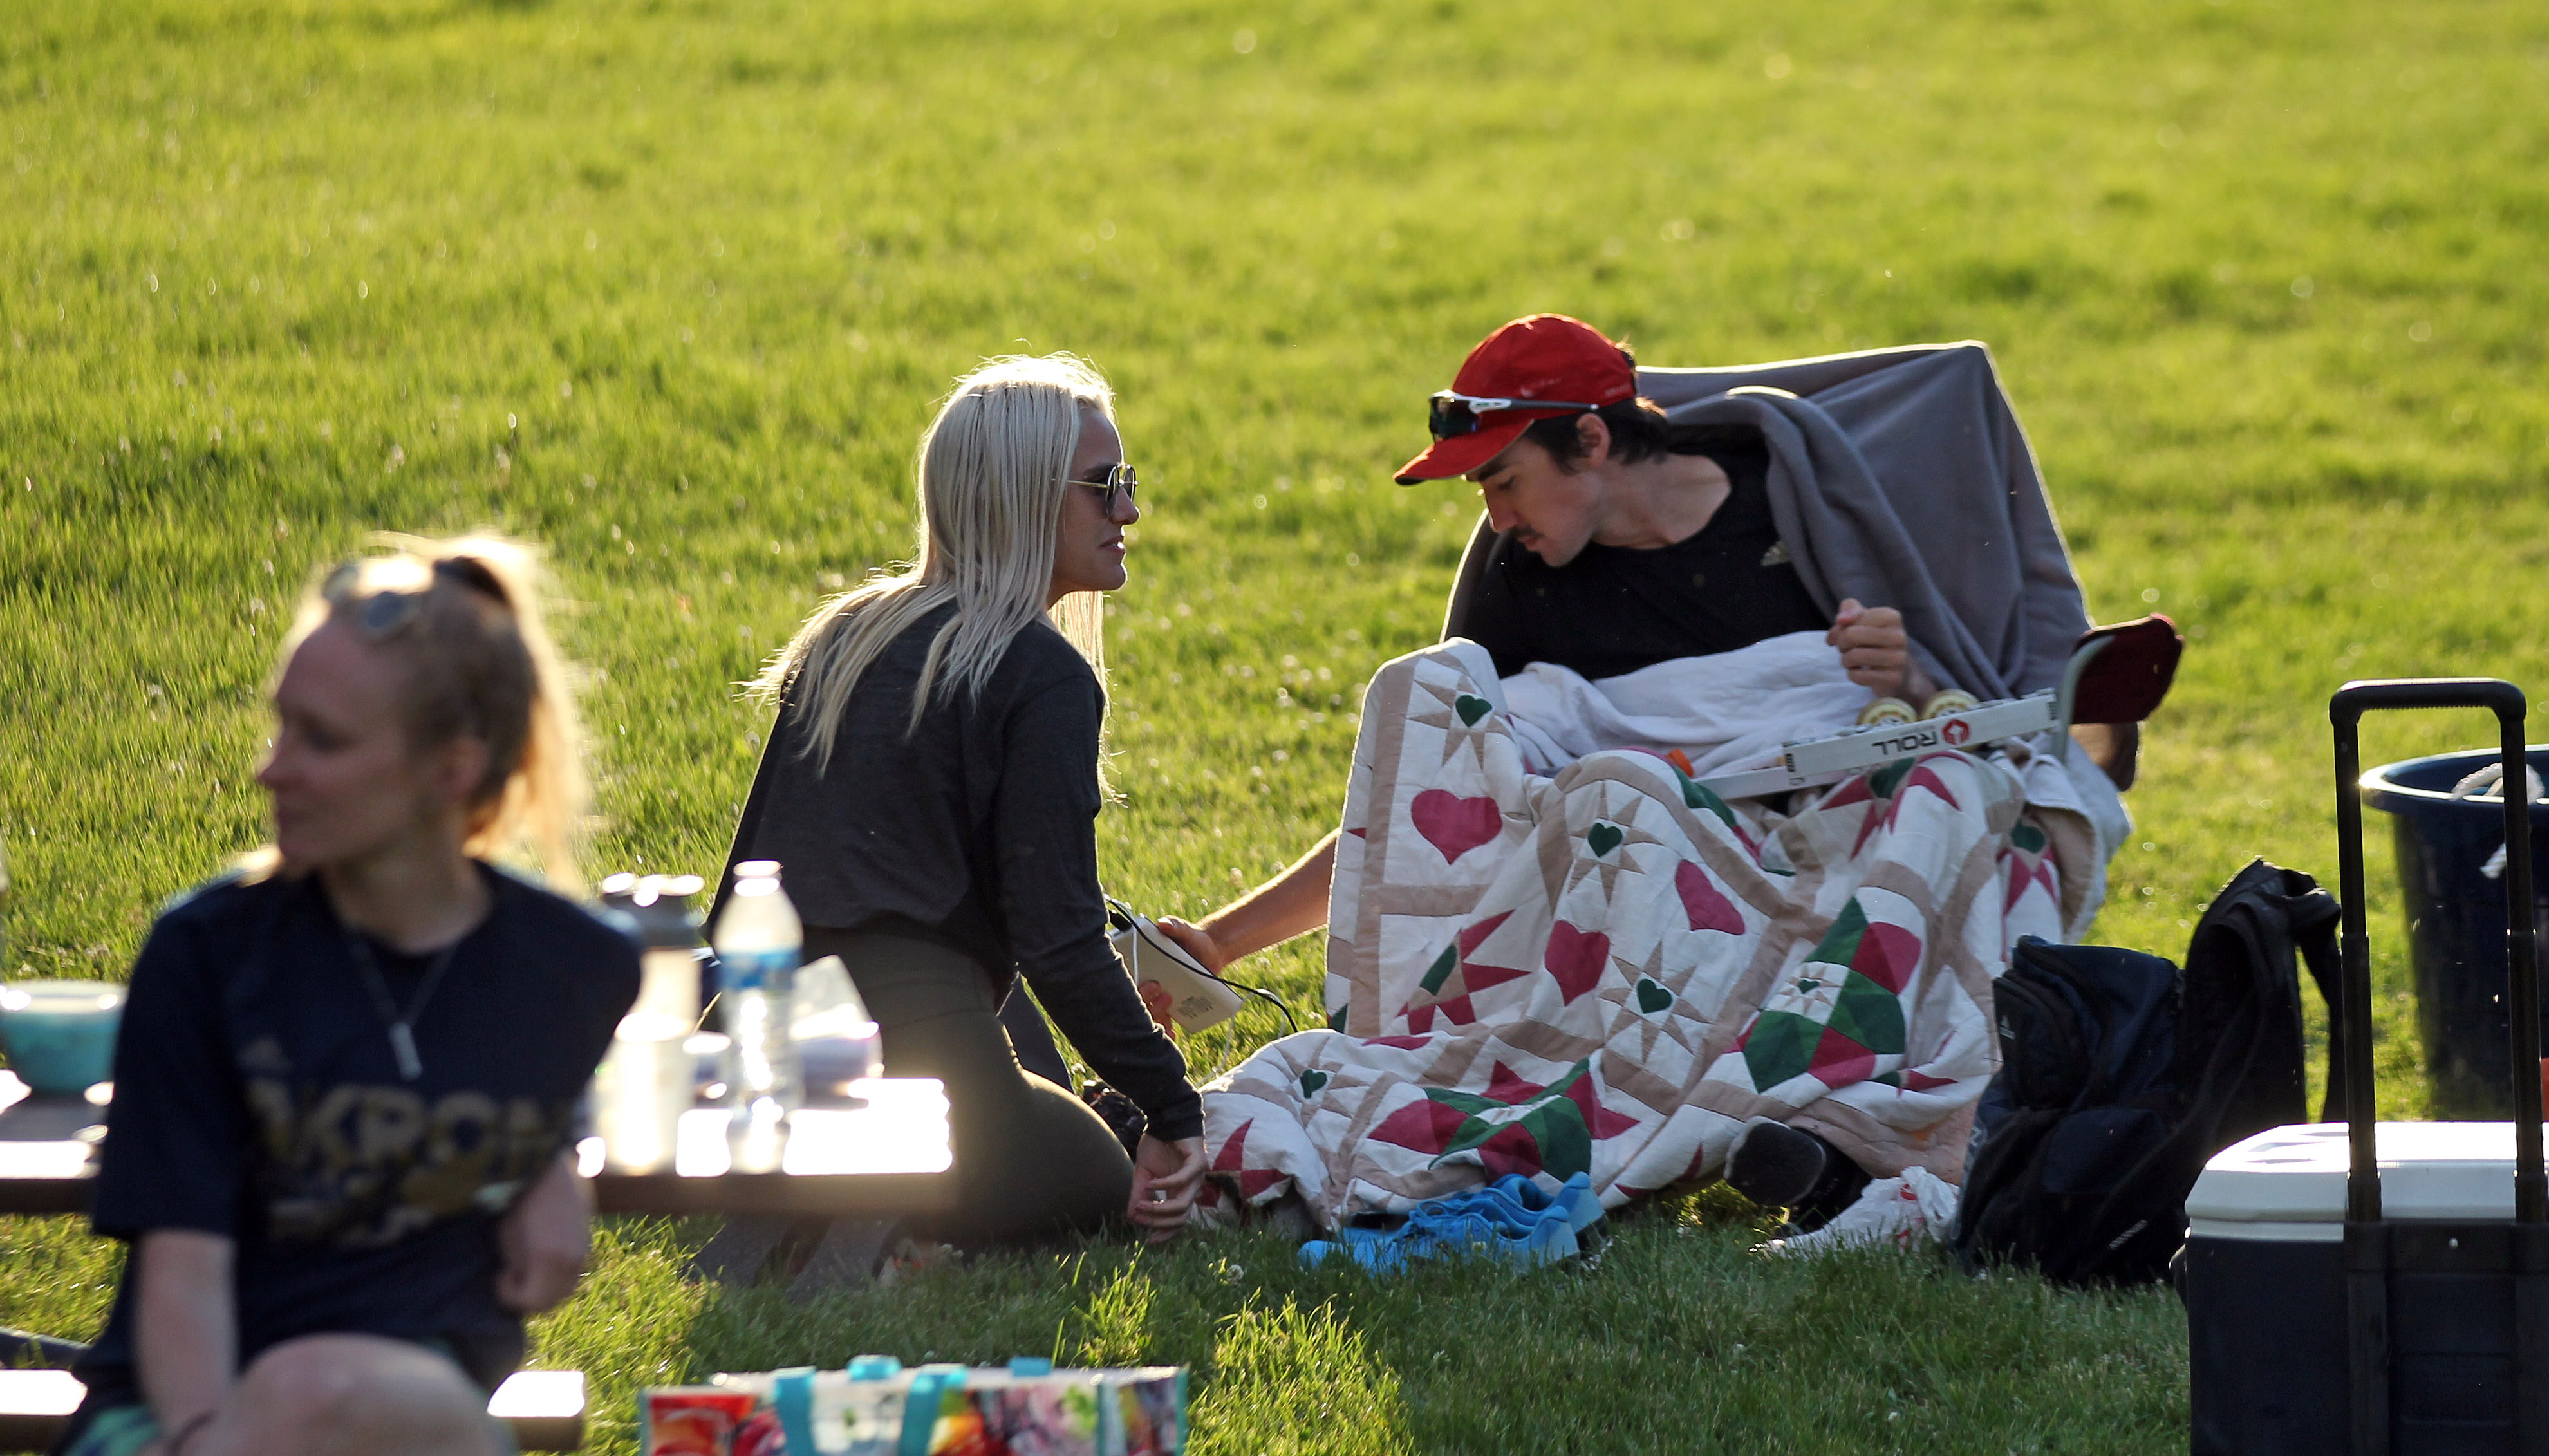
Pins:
x: 759, y: 941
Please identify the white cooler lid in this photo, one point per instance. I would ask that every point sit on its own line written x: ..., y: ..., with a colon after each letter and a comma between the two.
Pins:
x: 2296, y: 1175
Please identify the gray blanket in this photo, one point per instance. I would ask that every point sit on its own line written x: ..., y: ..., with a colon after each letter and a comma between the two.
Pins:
x: 1901, y: 477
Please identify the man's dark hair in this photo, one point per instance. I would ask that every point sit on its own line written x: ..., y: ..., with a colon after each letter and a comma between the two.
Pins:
x: 1639, y: 431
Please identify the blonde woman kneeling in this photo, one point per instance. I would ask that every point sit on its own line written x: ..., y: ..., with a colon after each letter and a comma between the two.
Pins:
x: 931, y: 788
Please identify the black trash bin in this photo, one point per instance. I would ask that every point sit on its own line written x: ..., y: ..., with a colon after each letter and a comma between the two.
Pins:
x: 2456, y: 921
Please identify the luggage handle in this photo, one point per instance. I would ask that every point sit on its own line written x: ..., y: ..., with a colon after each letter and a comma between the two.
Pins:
x: 2522, y: 990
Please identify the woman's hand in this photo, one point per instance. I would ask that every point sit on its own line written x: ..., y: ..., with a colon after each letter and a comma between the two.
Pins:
x: 1195, y: 941
x: 545, y: 1240
x: 1167, y: 1176
x: 1877, y: 653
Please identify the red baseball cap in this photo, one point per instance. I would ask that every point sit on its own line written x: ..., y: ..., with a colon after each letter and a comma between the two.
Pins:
x: 1546, y: 356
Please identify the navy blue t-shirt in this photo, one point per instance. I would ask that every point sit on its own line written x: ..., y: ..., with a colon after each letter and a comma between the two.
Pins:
x: 258, y: 1097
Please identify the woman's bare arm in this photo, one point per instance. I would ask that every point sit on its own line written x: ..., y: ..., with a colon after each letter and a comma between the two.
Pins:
x: 545, y: 1240
x: 185, y: 1326
x: 1292, y: 904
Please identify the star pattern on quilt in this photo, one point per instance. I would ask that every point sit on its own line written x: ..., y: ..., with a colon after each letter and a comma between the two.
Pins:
x: 1448, y: 984
x: 1233, y: 1164
x: 2024, y: 863
x: 1608, y: 840
x: 1513, y: 1125
x: 1460, y: 717
x: 1886, y: 789
x: 1840, y: 1012
x: 1647, y: 1007
x: 1812, y: 992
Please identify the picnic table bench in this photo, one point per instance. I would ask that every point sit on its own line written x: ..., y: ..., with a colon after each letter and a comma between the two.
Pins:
x: 543, y: 1409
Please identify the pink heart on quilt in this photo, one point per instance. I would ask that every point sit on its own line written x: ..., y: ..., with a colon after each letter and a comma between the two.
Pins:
x: 1705, y: 904
x: 1454, y: 824
x: 1576, y: 958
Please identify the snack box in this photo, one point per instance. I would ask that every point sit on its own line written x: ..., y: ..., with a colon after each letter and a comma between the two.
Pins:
x: 875, y: 1407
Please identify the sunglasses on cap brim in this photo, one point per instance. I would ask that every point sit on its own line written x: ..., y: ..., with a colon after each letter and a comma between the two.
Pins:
x: 1456, y: 415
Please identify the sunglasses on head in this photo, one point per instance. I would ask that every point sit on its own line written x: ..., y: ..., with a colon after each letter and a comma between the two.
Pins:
x: 387, y: 611
x: 1458, y: 414
x: 1117, y: 488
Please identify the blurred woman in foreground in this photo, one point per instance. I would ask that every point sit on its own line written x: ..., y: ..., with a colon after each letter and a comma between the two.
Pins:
x: 931, y: 789
x: 346, y: 1075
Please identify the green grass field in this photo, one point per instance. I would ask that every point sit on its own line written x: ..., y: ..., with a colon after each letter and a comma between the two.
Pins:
x: 671, y: 286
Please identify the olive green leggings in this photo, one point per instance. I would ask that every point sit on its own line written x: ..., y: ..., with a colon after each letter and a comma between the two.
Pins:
x: 1030, y: 1159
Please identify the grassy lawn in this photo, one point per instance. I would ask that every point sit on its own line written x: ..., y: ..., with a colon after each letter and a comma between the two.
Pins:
x: 671, y: 285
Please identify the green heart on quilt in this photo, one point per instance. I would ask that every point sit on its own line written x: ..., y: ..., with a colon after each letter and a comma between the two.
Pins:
x: 1651, y: 997
x: 1472, y: 709
x: 1311, y: 1080
x: 1603, y: 838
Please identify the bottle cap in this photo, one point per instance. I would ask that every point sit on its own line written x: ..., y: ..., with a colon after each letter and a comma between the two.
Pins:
x: 661, y: 907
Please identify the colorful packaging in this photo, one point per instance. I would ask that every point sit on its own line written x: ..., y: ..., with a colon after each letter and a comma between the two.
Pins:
x: 692, y: 1420
x: 761, y: 1435
x: 1051, y: 1416
x: 1147, y: 1413
x: 876, y: 1408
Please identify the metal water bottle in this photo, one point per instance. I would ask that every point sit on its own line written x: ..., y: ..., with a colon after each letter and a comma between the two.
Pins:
x: 759, y: 941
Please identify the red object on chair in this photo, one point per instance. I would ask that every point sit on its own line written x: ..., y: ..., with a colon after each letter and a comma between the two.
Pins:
x: 2126, y: 680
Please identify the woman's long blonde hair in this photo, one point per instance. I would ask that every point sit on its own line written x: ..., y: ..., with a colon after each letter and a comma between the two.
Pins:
x: 993, y: 472
x: 464, y: 618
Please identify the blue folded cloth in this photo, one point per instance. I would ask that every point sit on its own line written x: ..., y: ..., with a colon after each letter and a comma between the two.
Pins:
x: 1512, y: 1221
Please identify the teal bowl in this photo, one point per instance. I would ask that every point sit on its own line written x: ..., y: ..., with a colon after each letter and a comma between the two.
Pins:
x: 59, y: 1035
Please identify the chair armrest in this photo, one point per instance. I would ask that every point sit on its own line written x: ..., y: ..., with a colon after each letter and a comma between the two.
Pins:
x: 2116, y: 747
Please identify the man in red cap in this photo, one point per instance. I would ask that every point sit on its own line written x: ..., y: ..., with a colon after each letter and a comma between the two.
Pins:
x: 1624, y: 542
x: 1628, y: 543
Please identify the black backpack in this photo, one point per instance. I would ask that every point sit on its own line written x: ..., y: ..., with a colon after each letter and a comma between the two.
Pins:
x: 2121, y: 1076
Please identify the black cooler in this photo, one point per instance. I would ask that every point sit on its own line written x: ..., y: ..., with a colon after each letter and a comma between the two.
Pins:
x: 2354, y: 1290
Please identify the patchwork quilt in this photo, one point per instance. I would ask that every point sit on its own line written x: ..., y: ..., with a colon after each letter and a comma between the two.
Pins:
x: 1610, y: 970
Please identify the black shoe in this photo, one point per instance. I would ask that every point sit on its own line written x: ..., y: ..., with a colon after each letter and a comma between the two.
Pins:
x: 1842, y: 1183
x: 1776, y: 1166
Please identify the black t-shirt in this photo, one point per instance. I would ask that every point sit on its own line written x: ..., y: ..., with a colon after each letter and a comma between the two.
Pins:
x: 1616, y: 609
x: 258, y: 1097
x: 980, y: 831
